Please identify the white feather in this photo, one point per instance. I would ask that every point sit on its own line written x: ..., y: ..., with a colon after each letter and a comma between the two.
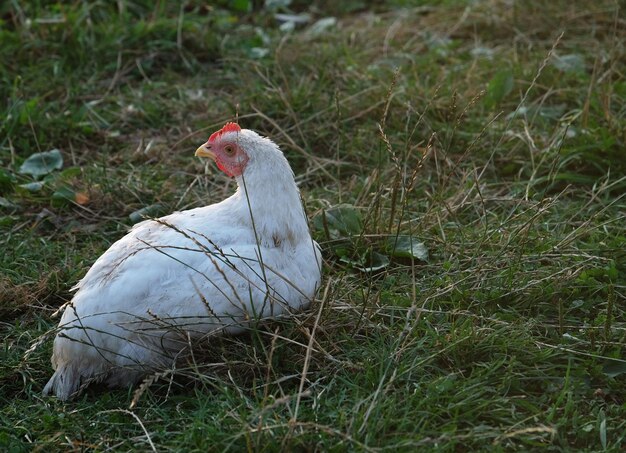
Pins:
x: 189, y: 274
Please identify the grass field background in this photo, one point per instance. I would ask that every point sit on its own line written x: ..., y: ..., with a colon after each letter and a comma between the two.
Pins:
x: 489, y: 133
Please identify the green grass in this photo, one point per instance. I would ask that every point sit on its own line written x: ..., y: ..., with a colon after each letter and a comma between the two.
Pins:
x: 494, y: 133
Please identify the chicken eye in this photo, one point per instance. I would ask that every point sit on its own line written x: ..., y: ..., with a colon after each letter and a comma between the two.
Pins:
x: 229, y: 150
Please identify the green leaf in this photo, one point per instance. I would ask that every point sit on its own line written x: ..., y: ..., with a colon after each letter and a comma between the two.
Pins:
x: 63, y: 196
x: 8, y: 205
x: 257, y: 53
x: 342, y: 220
x: 404, y: 246
x: 69, y: 173
x: 376, y: 262
x: 7, y: 220
x: 26, y: 109
x: 613, y: 368
x: 567, y: 177
x: 569, y: 63
x: 33, y: 187
x: 499, y: 87
x: 351, y: 261
x: 368, y: 262
x: 145, y: 213
x: 602, y: 429
x: 6, y: 181
x: 40, y: 164
x: 276, y: 4
x: 548, y: 112
x: 343, y: 249
x: 242, y: 6
x: 321, y: 26
x: 611, y: 272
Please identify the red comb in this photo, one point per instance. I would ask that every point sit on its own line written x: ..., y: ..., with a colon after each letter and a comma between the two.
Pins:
x: 228, y: 127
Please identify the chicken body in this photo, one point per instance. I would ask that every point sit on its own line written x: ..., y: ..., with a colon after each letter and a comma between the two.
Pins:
x: 177, y: 279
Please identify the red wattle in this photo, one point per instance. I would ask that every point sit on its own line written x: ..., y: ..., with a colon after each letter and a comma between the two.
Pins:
x: 223, y: 168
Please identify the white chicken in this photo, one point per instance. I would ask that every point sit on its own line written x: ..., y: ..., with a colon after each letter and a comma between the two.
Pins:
x: 192, y: 273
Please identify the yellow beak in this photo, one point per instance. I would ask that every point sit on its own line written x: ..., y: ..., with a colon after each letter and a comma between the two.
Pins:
x: 204, y: 151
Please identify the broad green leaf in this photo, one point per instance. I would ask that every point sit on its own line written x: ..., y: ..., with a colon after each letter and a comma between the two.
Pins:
x: 293, y: 18
x: 8, y: 204
x: 62, y: 196
x: 614, y: 368
x: 342, y: 249
x: 404, y: 246
x: 33, y: 187
x: 40, y: 164
x: 242, y: 6
x: 369, y: 262
x: 499, y: 87
x: 145, y: 213
x: 69, y: 173
x: 258, y: 52
x: 352, y: 262
x: 275, y: 4
x: 550, y: 112
x: 377, y: 261
x: 342, y: 220
x: 321, y: 26
x: 569, y: 63
x: 482, y: 52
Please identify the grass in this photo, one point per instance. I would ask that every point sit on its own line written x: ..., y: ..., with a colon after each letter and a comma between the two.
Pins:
x: 492, y: 132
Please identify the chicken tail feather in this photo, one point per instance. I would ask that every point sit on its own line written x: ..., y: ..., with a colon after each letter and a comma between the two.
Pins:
x: 64, y: 383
